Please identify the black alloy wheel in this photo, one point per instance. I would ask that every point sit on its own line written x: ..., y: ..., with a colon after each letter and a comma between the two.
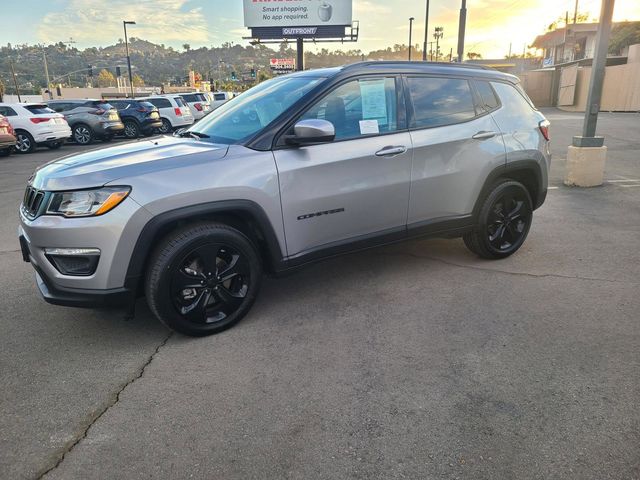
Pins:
x: 131, y: 129
x: 166, y: 127
x: 504, y: 221
x: 203, y: 279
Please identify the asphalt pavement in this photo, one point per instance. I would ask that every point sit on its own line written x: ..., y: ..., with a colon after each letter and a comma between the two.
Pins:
x: 416, y: 360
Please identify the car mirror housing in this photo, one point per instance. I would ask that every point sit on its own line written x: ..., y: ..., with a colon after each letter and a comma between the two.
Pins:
x: 311, y: 131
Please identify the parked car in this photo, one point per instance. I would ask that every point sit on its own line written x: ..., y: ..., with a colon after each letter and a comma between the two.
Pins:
x: 35, y: 124
x: 138, y: 117
x: 300, y: 167
x: 7, y: 137
x: 174, y: 112
x: 89, y: 119
x: 198, y: 103
x: 219, y: 98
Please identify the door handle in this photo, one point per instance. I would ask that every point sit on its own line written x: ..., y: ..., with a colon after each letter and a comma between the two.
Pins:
x: 483, y: 134
x: 391, y: 151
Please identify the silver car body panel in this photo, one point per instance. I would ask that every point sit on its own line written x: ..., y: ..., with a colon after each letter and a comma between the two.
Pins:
x: 369, y: 192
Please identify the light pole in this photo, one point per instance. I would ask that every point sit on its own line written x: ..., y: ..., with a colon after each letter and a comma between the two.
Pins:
x: 461, y: 26
x: 410, y: 28
x: 126, y: 46
x: 426, y: 34
x: 439, y: 33
x: 46, y: 73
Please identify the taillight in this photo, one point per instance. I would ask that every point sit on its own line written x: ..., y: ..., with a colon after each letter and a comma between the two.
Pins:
x: 544, y: 129
x: 198, y: 106
x: 178, y: 111
x: 37, y: 120
x: 99, y: 111
x: 141, y: 109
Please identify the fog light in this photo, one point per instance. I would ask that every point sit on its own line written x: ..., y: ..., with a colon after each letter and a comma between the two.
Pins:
x: 74, y: 261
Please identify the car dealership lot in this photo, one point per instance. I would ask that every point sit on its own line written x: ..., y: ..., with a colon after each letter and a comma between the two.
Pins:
x: 416, y: 360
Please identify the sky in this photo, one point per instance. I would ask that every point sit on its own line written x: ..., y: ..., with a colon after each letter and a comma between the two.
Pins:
x: 491, y: 24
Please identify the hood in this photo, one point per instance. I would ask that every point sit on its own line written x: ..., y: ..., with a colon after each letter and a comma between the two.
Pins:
x: 96, y: 168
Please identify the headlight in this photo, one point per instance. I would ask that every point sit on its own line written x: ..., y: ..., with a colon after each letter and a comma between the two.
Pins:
x: 87, y: 203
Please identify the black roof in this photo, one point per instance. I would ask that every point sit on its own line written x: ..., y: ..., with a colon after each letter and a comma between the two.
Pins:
x: 406, y: 67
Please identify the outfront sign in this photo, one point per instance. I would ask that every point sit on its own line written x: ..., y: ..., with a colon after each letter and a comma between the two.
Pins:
x: 296, y: 13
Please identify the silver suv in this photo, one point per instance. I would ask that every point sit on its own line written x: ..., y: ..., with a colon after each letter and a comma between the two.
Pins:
x: 299, y: 168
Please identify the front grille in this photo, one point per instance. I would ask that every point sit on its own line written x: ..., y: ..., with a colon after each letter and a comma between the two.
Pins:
x: 32, y: 201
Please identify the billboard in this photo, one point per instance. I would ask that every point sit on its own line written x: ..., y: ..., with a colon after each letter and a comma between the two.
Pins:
x: 296, y: 13
x: 282, y: 65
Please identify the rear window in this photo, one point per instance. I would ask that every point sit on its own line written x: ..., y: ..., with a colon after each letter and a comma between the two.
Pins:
x: 147, y: 105
x: 38, y: 109
x: 180, y: 102
x: 192, y: 97
x: 99, y: 104
x: 219, y: 96
x: 160, y: 102
x: 201, y: 97
x: 487, y: 96
x: 120, y: 105
x: 440, y: 101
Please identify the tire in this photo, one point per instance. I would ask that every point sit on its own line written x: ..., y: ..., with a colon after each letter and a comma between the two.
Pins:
x: 25, y: 142
x: 203, y: 279
x: 82, y: 134
x: 54, y: 145
x: 5, y: 152
x: 166, y: 127
x: 498, y: 235
x: 131, y: 129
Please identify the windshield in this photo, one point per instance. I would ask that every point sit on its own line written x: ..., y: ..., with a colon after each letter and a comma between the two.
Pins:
x: 242, y: 117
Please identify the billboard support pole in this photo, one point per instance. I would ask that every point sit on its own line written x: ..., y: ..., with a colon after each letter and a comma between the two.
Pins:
x: 299, y: 54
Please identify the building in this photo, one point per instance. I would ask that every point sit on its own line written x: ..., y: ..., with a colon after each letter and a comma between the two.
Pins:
x: 570, y: 43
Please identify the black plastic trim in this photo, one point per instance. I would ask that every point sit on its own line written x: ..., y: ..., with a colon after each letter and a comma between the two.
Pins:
x: 148, y: 236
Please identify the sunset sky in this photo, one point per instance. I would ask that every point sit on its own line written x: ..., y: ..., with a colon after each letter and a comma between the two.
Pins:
x: 491, y: 24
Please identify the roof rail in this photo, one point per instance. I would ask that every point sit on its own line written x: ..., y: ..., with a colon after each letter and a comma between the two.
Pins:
x: 406, y: 62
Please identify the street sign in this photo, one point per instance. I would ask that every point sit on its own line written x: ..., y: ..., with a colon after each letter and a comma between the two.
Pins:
x: 297, y: 13
x: 282, y: 65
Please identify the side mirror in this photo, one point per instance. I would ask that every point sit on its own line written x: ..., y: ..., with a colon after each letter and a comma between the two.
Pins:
x: 311, y: 131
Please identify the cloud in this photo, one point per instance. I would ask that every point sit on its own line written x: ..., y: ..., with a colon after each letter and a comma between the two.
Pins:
x: 94, y: 22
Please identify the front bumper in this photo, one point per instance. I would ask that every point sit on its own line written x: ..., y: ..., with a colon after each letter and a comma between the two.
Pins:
x: 114, y: 234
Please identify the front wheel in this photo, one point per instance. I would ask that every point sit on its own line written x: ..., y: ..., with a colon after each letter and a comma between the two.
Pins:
x: 203, y: 279
x: 131, y: 129
x: 503, y: 221
x: 166, y: 127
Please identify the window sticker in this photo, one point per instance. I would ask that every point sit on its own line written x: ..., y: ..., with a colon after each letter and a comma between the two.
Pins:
x: 368, y: 127
x: 374, y: 100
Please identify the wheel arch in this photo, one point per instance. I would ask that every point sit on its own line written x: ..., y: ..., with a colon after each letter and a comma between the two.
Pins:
x: 527, y: 172
x: 244, y: 215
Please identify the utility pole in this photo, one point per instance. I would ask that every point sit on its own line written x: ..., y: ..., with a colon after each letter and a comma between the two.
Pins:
x: 431, y: 50
x: 575, y: 13
x: 509, y: 56
x: 299, y: 54
x: 426, y: 34
x: 410, y: 29
x: 46, y: 74
x: 461, y: 26
x: 15, y: 81
x: 587, y: 155
x: 126, y: 46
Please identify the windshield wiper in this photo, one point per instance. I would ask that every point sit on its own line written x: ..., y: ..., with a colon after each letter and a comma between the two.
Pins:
x: 188, y: 133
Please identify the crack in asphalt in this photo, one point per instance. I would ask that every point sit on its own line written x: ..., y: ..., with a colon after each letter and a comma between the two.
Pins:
x: 507, y: 272
x: 115, y: 398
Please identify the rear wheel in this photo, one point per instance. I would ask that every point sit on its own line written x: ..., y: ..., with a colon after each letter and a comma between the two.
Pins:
x: 166, y: 127
x: 203, y: 279
x: 5, y: 152
x: 82, y: 134
x: 503, y: 222
x: 131, y: 129
x: 24, y: 142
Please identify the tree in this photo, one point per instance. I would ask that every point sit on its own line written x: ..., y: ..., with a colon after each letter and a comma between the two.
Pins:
x: 106, y: 78
x: 186, y: 47
x: 474, y: 56
x: 581, y: 17
x: 623, y: 34
x: 138, y: 81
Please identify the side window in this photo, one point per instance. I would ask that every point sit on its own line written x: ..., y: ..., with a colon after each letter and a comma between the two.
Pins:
x: 440, y: 101
x: 360, y: 107
x: 8, y: 112
x: 160, y: 102
x: 488, y: 100
x: 517, y: 109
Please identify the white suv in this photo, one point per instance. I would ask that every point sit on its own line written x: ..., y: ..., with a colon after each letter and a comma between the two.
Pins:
x: 198, y: 104
x: 35, y: 124
x: 174, y: 112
